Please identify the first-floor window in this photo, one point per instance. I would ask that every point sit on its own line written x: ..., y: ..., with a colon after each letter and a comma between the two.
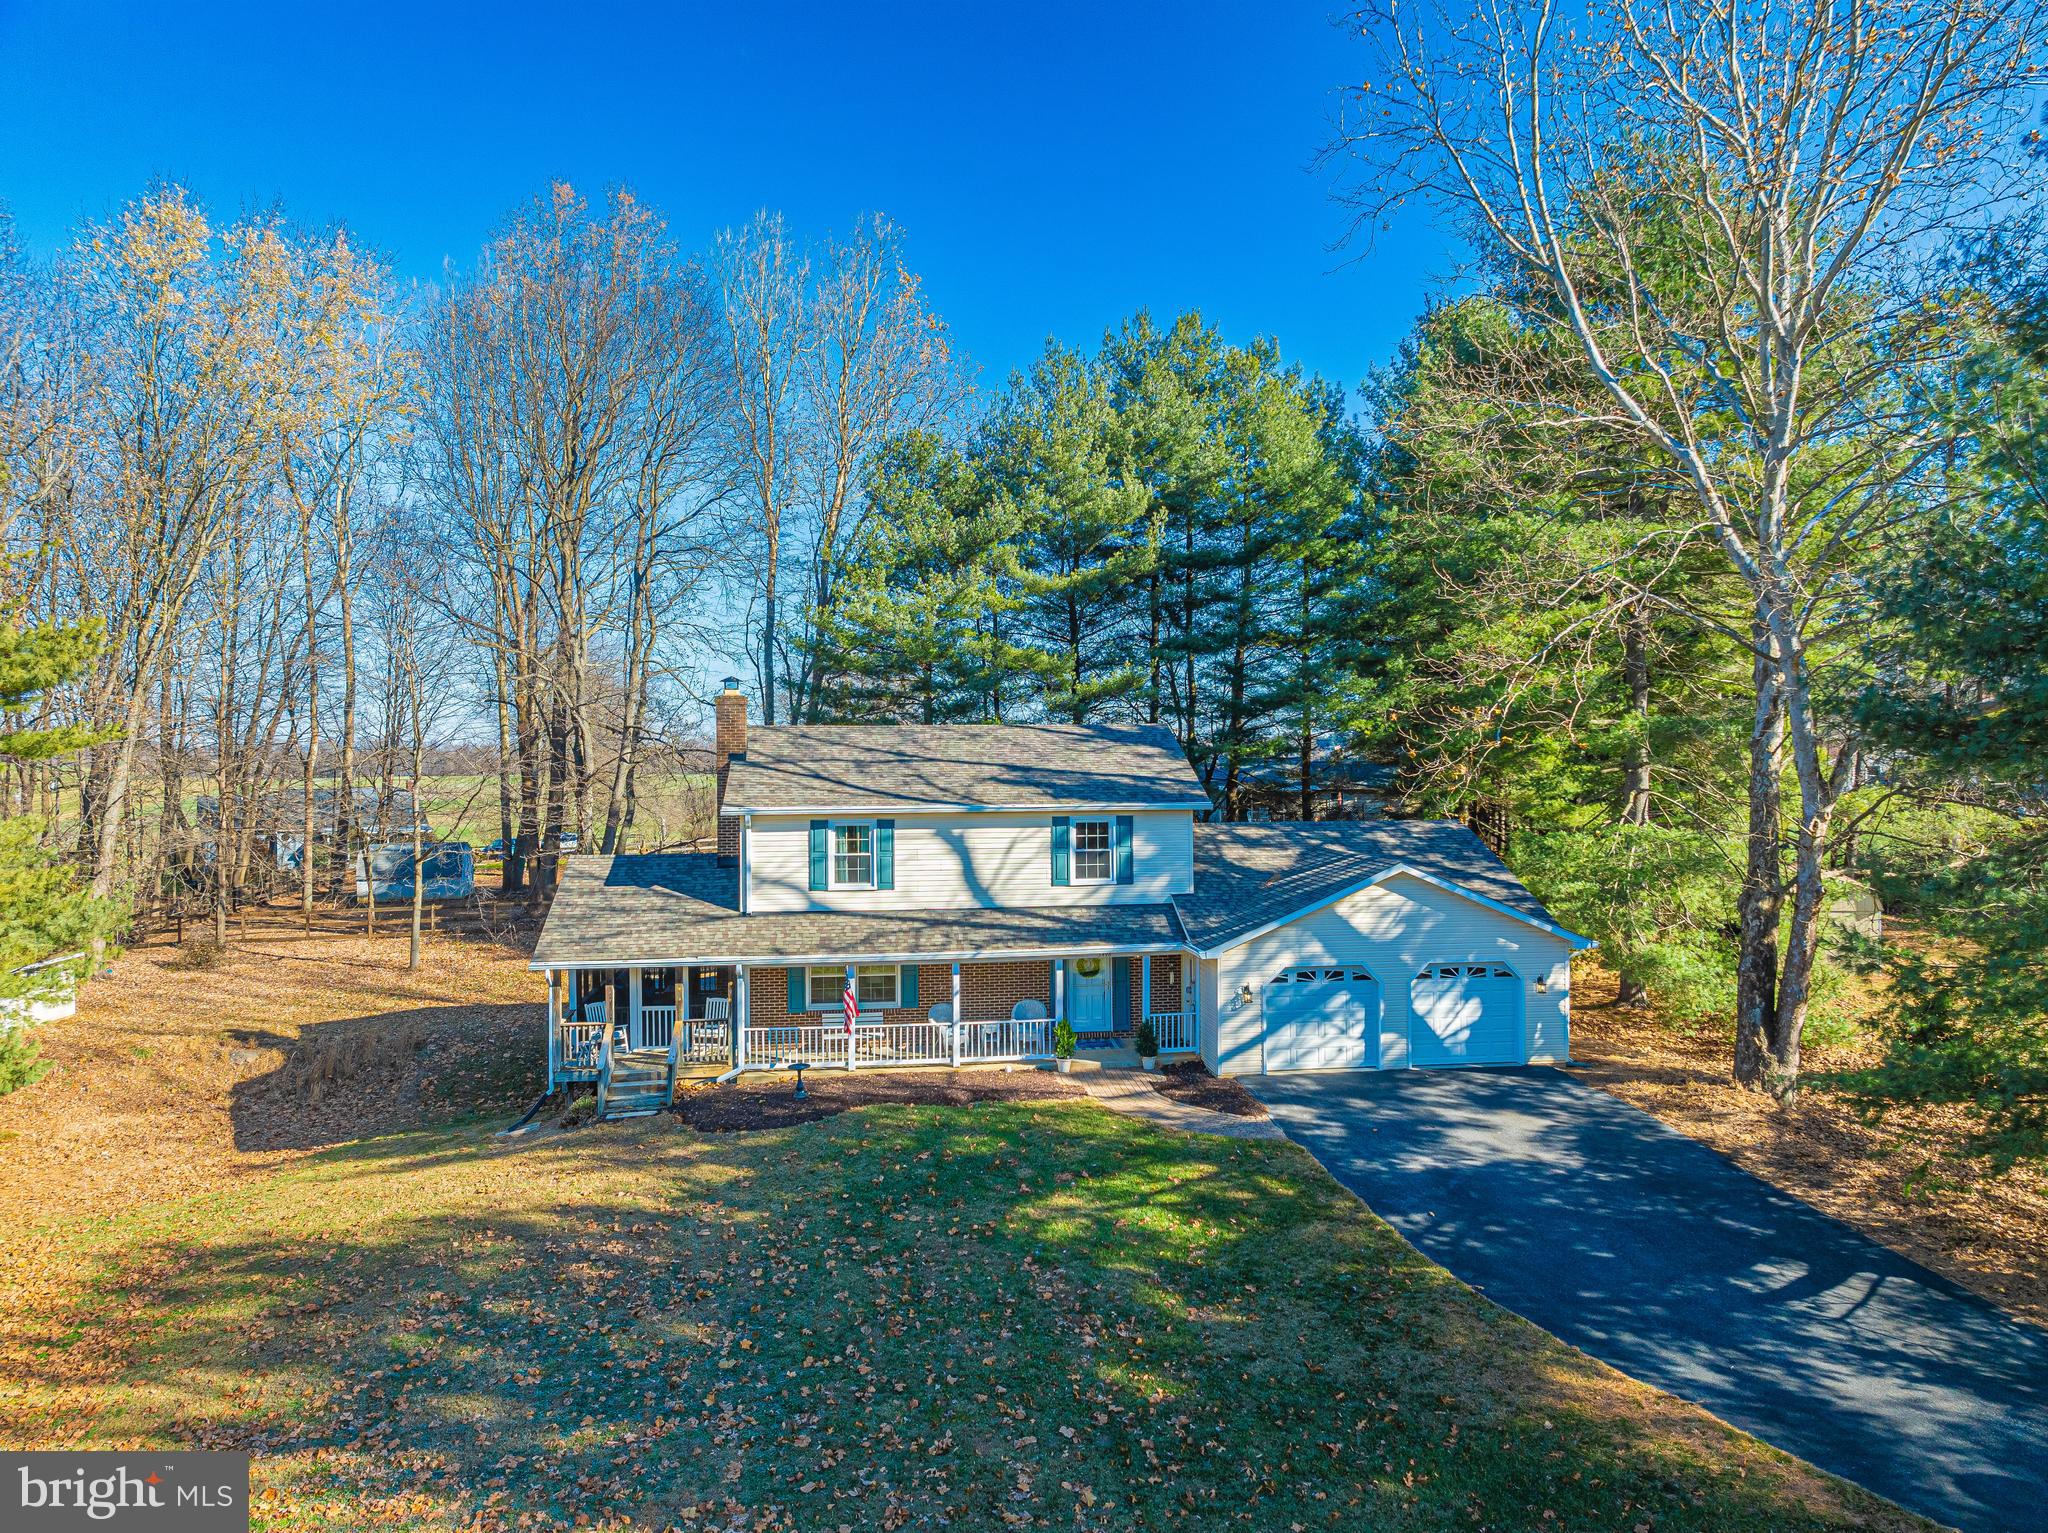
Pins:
x: 875, y: 986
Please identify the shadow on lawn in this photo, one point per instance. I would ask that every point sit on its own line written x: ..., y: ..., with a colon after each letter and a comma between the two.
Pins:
x: 895, y: 1317
x: 354, y: 1077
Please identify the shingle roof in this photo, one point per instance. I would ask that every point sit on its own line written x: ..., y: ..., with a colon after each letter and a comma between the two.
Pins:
x: 931, y: 766
x: 660, y: 908
x: 1249, y: 876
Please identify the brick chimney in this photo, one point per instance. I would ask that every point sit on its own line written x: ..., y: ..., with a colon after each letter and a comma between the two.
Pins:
x: 730, y: 740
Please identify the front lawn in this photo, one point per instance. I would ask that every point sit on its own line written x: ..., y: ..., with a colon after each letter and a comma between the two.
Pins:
x: 1002, y: 1315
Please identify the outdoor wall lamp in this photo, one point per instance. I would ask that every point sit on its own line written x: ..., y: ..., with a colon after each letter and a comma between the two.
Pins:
x: 1542, y: 985
x: 1244, y: 995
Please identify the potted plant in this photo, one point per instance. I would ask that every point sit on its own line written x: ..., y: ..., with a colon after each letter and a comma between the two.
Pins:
x: 1063, y: 1042
x: 1148, y: 1044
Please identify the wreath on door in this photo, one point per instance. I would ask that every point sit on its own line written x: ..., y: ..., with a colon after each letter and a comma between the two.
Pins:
x: 1088, y: 968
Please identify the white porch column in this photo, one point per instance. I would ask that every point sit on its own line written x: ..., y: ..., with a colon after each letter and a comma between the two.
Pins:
x: 554, y: 1028
x: 956, y: 1015
x: 636, y: 1036
x: 740, y: 1016
x: 1145, y: 986
x: 1059, y: 989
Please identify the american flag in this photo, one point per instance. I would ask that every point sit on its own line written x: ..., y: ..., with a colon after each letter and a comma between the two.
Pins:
x: 852, y: 1004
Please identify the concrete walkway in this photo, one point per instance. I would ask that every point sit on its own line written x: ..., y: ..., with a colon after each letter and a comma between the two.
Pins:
x: 1129, y: 1092
x: 1663, y: 1258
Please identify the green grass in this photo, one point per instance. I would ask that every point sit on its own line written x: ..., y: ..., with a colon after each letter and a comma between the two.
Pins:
x: 991, y: 1317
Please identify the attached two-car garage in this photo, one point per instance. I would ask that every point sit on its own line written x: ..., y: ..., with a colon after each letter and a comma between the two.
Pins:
x: 1329, y: 1017
x: 1405, y: 973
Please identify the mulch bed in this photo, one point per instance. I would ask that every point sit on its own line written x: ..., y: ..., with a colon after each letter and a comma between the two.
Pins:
x: 769, y: 1100
x: 1191, y: 1082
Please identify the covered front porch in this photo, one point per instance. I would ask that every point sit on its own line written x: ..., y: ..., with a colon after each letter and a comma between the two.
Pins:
x: 909, y: 1012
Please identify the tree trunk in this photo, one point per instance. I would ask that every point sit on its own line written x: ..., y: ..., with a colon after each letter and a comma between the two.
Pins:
x: 1635, y: 786
x: 508, y: 862
x: 345, y: 790
x: 1756, y: 978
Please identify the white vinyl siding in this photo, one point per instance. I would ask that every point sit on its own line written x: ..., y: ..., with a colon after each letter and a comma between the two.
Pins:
x: 1392, y: 929
x: 993, y: 860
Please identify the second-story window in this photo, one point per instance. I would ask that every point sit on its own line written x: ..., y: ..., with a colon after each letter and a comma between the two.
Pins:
x: 853, y: 856
x: 1093, y: 858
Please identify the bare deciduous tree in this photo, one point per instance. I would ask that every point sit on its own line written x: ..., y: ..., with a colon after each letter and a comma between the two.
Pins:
x: 1727, y: 208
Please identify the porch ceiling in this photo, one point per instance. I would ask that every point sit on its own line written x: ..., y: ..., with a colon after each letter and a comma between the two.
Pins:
x: 677, y: 908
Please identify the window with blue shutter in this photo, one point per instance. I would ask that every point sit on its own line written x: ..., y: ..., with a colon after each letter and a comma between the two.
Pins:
x: 1060, y: 875
x: 1124, y: 871
x: 885, y: 854
x: 798, y: 1000
x: 821, y: 836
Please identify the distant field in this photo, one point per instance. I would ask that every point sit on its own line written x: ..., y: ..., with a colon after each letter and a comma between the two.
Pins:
x: 673, y: 808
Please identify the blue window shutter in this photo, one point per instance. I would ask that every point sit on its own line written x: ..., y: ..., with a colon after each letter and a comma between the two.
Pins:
x: 799, y: 996
x: 821, y: 837
x: 885, y: 854
x: 909, y: 996
x: 1060, y: 875
x: 1124, y: 871
x: 1120, y: 992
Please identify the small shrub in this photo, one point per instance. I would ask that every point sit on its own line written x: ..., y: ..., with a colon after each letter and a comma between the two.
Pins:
x: 1063, y: 1040
x: 319, y: 1065
x: 21, y: 1061
x: 199, y: 954
x: 1148, y: 1039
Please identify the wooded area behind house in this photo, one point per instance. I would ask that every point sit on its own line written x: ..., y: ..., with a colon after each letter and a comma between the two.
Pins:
x: 1693, y: 551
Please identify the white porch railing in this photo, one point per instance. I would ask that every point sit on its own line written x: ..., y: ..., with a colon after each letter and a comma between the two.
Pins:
x: 657, y: 1026
x: 874, y: 1044
x: 1008, y: 1039
x: 1176, y: 1032
x: 582, y: 1045
x: 703, y: 1042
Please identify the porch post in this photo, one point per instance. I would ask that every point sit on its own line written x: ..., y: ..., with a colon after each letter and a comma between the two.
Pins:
x: 554, y: 1029
x: 1144, y: 987
x: 1059, y: 989
x: 843, y: 1020
x: 741, y: 1007
x: 638, y: 1033
x: 956, y: 1014
x: 611, y: 1009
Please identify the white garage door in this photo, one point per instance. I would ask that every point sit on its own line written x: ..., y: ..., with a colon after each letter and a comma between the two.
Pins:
x: 1322, y: 1019
x: 1467, y: 1014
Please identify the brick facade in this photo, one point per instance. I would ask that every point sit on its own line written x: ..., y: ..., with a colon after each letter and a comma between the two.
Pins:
x: 1165, y: 986
x: 987, y: 992
x: 729, y: 713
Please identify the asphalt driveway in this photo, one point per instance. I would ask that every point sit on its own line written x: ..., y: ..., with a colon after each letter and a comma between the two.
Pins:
x: 1659, y: 1256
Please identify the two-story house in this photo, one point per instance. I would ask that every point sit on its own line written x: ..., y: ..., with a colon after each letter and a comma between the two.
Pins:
x: 972, y: 885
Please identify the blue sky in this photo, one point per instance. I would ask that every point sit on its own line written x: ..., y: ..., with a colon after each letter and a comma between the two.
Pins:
x: 1055, y: 167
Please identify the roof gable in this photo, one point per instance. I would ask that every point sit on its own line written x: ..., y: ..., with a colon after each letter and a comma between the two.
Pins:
x: 798, y: 767
x: 1252, y: 878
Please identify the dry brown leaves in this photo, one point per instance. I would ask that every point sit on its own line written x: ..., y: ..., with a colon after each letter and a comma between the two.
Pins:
x: 173, y: 1080
x: 1899, y: 1180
